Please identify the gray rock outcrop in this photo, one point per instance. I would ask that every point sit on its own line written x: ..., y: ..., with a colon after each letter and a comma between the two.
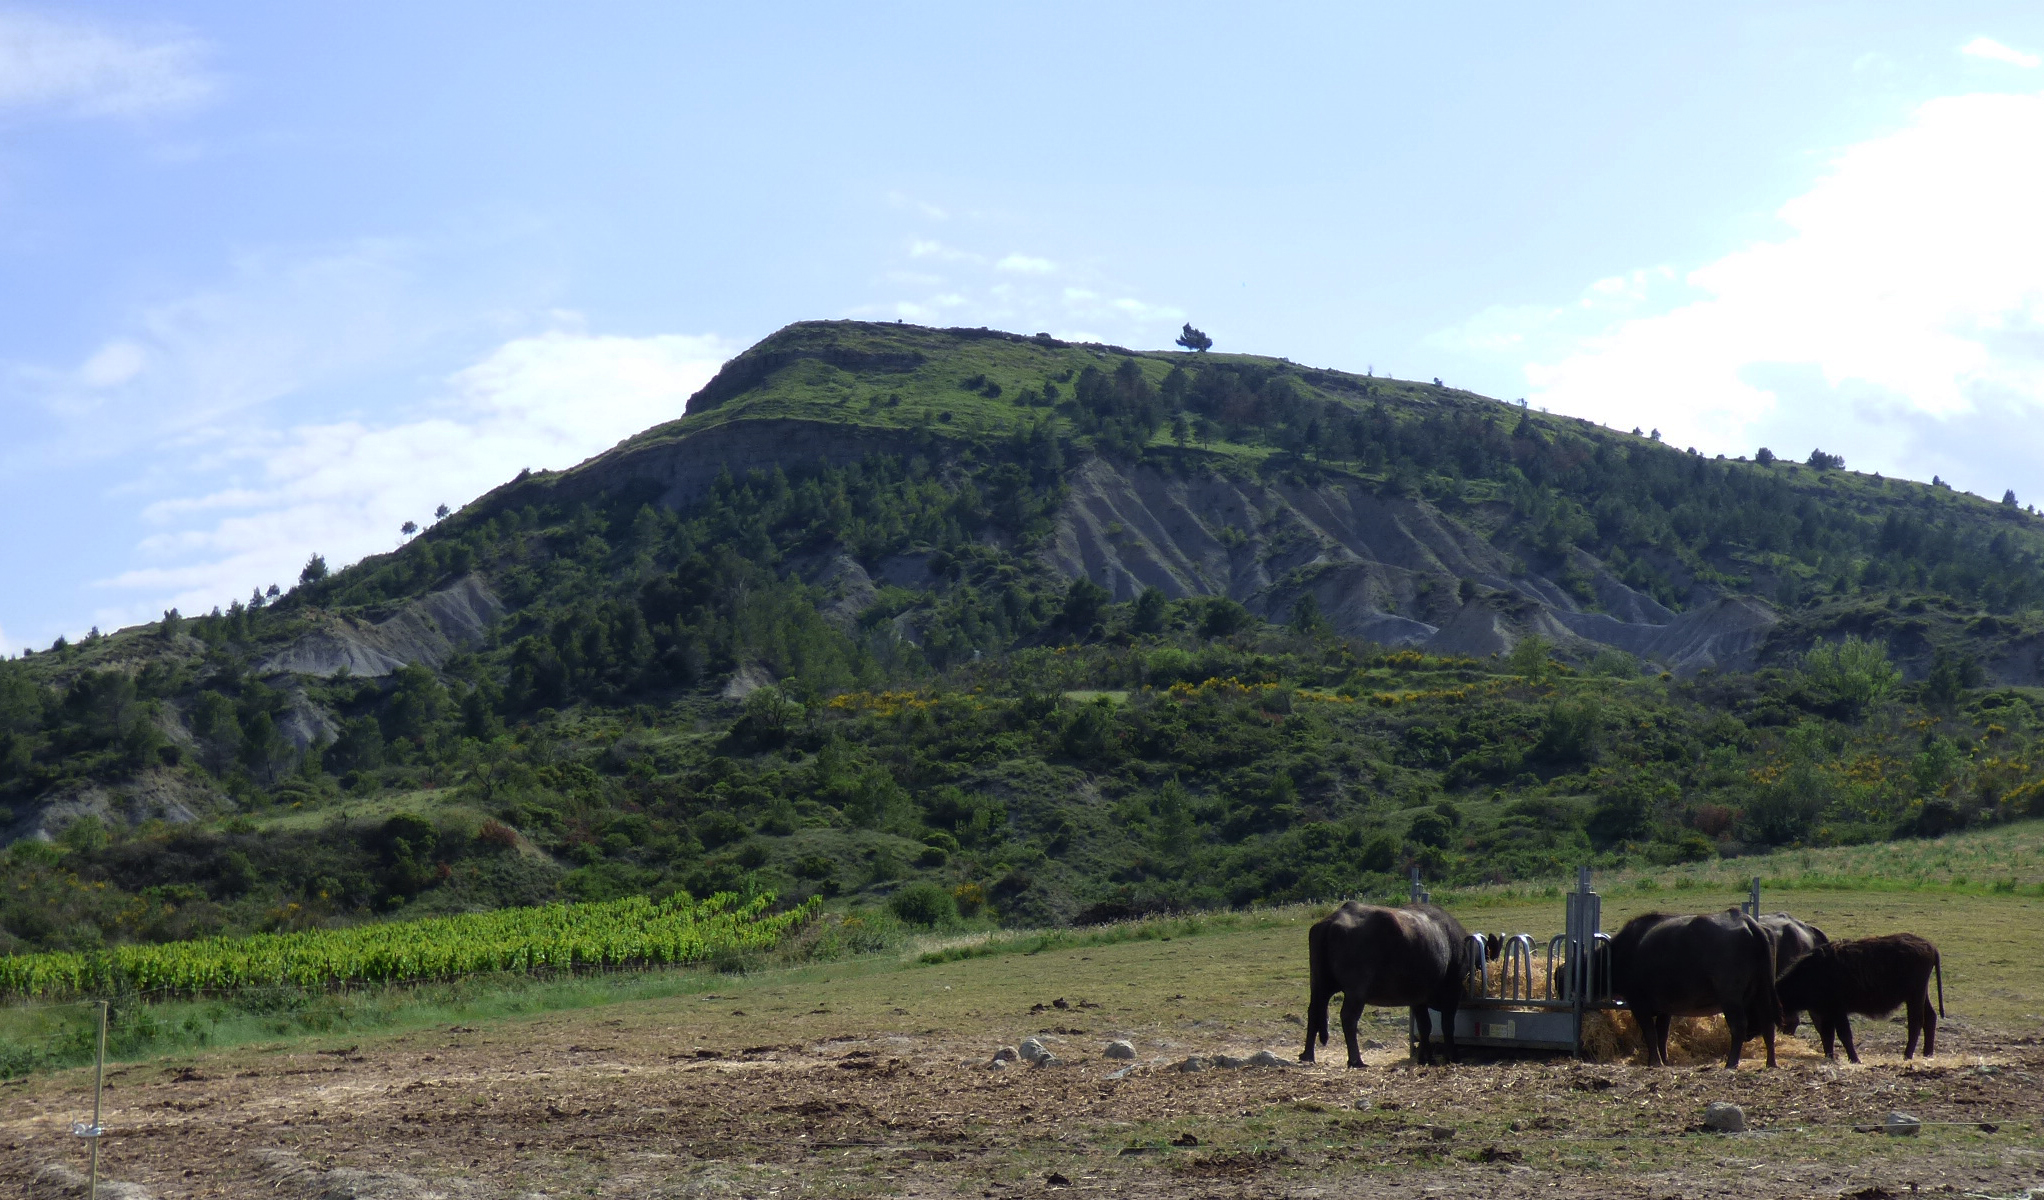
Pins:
x: 429, y: 630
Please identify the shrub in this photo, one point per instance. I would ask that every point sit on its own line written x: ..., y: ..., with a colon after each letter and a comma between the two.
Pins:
x: 924, y: 903
x: 1849, y: 676
x: 497, y: 835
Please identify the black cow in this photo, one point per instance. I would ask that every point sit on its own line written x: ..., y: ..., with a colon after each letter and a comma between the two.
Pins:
x: 1869, y: 976
x: 1665, y: 966
x: 1792, y: 939
x: 1408, y: 957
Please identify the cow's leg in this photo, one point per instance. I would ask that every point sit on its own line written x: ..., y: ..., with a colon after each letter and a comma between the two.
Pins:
x: 1645, y: 1021
x: 1661, y: 1023
x: 1735, y: 1024
x: 1827, y: 1031
x: 1351, y: 1012
x: 1767, y: 1035
x: 1448, y: 1031
x: 1423, y: 1021
x: 1844, y: 1021
x: 1930, y: 1027
x: 1914, y: 1009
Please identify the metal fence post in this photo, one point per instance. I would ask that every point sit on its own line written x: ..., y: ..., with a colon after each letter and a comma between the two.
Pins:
x: 1751, y: 905
x: 93, y: 1131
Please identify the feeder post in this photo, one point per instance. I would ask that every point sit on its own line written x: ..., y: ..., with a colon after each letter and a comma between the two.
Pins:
x: 1585, y: 916
x: 1420, y: 895
x: 1751, y: 906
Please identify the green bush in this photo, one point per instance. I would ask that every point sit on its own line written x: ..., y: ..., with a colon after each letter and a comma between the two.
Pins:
x: 924, y: 903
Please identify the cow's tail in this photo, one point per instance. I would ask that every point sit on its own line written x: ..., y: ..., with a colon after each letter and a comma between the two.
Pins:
x: 1320, y: 977
x: 1937, y: 965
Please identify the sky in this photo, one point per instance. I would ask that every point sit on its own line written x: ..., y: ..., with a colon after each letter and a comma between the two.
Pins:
x: 276, y: 279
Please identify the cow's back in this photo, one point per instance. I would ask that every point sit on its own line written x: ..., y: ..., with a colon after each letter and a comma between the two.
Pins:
x: 1877, y: 975
x: 1686, y: 964
x: 1392, y: 956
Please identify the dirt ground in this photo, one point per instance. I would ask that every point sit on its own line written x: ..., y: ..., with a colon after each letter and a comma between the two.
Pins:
x: 872, y: 1079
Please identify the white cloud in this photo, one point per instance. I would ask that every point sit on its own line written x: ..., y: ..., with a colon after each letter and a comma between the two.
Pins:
x: 113, y: 364
x: 1026, y: 265
x: 1016, y: 291
x: 278, y: 325
x: 342, y: 488
x: 1903, y: 309
x: 1988, y: 48
x: 95, y: 71
x: 925, y: 248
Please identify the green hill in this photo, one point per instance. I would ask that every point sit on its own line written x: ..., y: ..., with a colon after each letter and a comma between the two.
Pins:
x: 1068, y: 631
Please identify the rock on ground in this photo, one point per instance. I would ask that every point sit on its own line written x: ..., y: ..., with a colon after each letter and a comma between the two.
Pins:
x: 1121, y: 1049
x: 1724, y: 1117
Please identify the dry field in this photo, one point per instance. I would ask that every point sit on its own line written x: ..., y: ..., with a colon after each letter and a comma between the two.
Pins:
x: 869, y: 1078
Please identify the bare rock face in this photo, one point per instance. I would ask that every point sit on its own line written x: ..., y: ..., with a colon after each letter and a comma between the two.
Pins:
x: 429, y: 630
x: 1389, y: 568
x: 303, y: 723
x: 160, y: 794
x: 746, y: 680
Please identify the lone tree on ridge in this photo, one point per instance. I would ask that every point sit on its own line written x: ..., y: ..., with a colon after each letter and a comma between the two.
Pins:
x: 1194, y: 340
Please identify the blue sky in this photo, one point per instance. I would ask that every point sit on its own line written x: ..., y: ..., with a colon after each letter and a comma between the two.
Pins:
x: 276, y: 278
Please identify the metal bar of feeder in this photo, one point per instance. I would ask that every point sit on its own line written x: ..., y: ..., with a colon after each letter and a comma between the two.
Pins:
x: 1515, y: 968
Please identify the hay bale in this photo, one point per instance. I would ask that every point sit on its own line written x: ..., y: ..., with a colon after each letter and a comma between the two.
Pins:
x: 1611, y: 1037
x: 1692, y: 1041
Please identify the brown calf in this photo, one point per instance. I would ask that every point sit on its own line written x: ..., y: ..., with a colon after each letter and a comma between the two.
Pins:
x: 1872, y: 977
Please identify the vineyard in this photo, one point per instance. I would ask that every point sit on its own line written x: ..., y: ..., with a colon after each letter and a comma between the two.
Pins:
x: 634, y: 931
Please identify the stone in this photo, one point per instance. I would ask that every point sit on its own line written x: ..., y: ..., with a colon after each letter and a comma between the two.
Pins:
x: 1031, y: 1050
x: 1724, y: 1117
x: 1006, y: 1054
x: 1121, y: 1049
x: 1192, y: 1063
x: 1121, y: 1074
x: 1229, y: 1061
x: 1264, y: 1058
x: 1901, y: 1124
x: 1049, y: 1060
x: 999, y: 1064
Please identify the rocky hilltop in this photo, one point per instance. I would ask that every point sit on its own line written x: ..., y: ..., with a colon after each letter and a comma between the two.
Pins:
x: 973, y: 624
x: 1410, y: 559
